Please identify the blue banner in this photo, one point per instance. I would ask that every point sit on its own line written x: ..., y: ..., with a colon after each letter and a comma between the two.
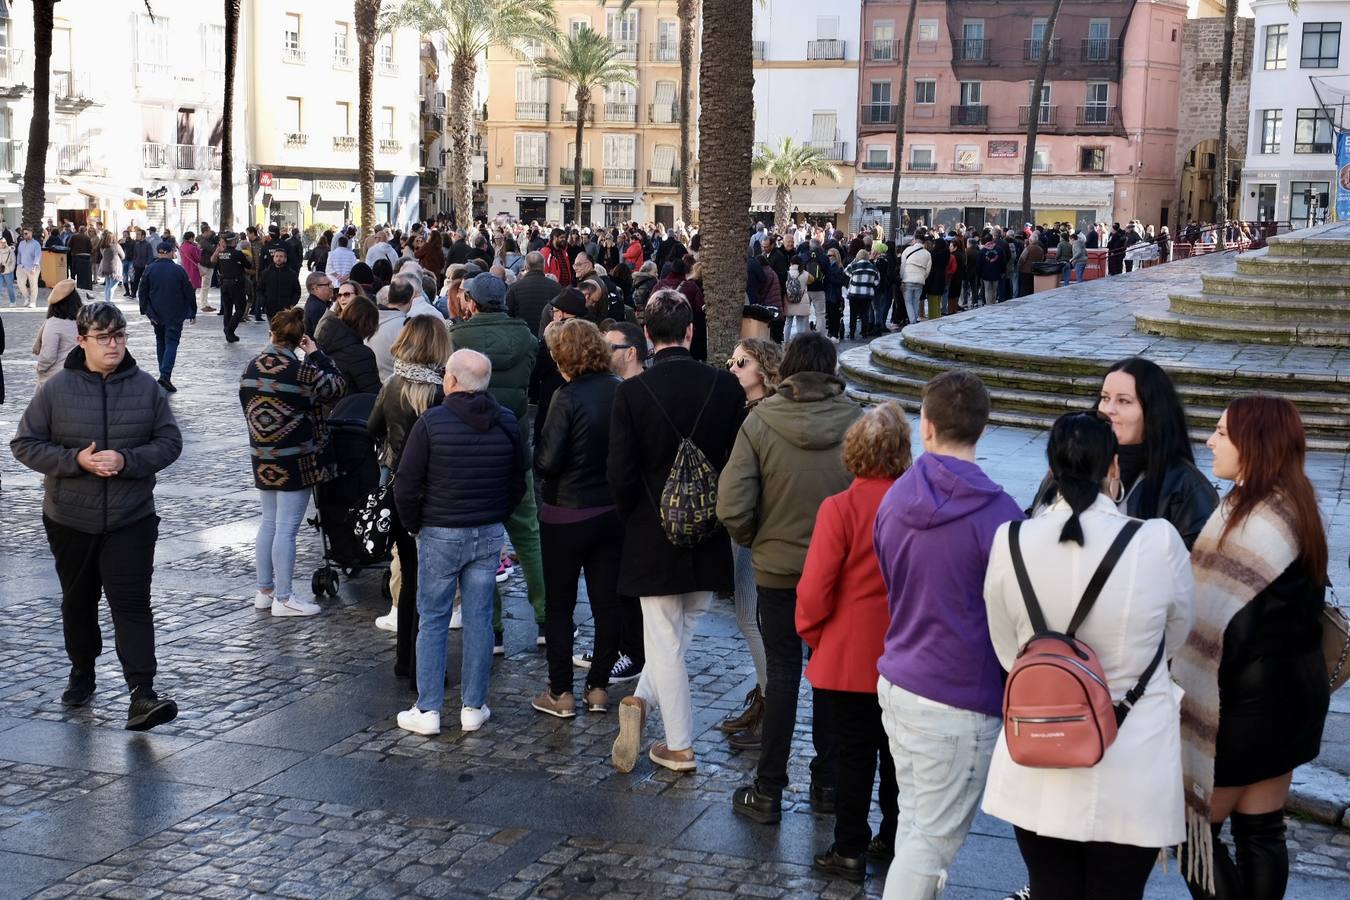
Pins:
x: 1343, y: 177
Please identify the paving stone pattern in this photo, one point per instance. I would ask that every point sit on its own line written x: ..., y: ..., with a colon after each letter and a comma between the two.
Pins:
x: 286, y: 776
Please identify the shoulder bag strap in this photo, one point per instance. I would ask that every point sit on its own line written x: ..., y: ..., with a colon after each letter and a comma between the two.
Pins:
x: 1103, y: 572
x: 1024, y: 580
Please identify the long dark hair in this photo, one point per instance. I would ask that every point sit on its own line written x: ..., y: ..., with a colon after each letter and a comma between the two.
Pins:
x: 1166, y: 438
x: 1080, y: 451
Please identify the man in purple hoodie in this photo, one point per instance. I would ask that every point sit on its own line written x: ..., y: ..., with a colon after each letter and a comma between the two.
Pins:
x: 941, y: 685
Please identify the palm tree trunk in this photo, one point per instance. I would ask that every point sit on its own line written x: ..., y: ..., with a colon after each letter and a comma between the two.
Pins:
x: 39, y: 129
x: 1034, y: 119
x: 1225, y: 89
x: 726, y: 143
x: 583, y: 97
x: 688, y: 14
x: 782, y: 207
x: 462, y: 72
x: 367, y: 12
x: 227, y: 118
x: 900, y: 125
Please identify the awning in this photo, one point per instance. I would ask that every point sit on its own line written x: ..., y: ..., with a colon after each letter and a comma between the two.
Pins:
x: 70, y: 200
x: 819, y: 200
x: 102, y: 190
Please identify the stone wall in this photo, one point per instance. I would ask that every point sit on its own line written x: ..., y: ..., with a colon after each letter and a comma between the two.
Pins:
x: 1201, y: 67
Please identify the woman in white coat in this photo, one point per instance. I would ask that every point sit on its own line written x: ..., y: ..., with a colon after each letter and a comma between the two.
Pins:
x: 1094, y: 833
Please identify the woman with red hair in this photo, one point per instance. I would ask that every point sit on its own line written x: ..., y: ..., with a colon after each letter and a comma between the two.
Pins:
x: 1252, y: 668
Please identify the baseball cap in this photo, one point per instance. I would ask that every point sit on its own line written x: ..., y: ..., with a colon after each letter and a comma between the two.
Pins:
x: 167, y: 245
x: 486, y: 290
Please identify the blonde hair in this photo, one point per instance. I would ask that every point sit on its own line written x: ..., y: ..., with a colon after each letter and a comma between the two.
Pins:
x: 423, y: 341
x: 577, y: 347
x: 878, y: 444
x: 767, y: 355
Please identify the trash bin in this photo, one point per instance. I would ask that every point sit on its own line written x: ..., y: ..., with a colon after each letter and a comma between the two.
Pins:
x: 755, y: 321
x: 1046, y: 276
x: 52, y: 267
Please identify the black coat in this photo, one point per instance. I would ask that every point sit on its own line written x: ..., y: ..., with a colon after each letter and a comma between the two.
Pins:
x: 571, y: 448
x: 354, y: 359
x: 642, y: 445
x: 1273, y: 692
x: 278, y: 289
x: 529, y: 295
x: 1187, y: 500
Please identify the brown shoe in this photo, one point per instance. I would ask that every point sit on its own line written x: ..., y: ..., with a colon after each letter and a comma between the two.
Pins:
x: 597, y: 700
x: 563, y: 705
x: 753, y: 712
x: 675, y: 760
x: 632, y: 722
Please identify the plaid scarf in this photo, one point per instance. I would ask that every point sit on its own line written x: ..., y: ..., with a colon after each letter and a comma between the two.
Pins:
x: 1253, y: 555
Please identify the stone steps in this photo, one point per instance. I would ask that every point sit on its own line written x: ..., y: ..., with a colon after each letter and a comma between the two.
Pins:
x: 1247, y: 331
x: 1261, y: 309
x: 1307, y: 287
x: 1322, y: 242
x: 1261, y: 263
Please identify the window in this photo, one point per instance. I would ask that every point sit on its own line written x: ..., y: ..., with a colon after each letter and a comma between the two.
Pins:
x: 667, y: 40
x: 617, y: 93
x: 925, y: 91
x: 663, y: 163
x: 1271, y: 122
x: 529, y: 87
x: 827, y: 28
x: 572, y: 154
x: 665, y: 110
x: 878, y: 156
x: 152, y: 42
x: 1041, y: 161
x: 294, y: 118
x: 622, y: 29
x: 342, y: 122
x: 1312, y: 132
x: 970, y: 93
x: 921, y: 159
x: 1096, y: 103
x: 928, y: 31
x: 1097, y: 47
x: 290, y: 36
x: 972, y: 29
x: 881, y: 93
x: 532, y: 48
x: 341, y: 41
x: 531, y: 158
x: 967, y: 158
x: 620, y: 151
x: 386, y: 123
x: 577, y: 24
x: 1092, y: 159
x: 883, y: 30
x: 1045, y: 93
x: 1277, y: 46
x: 1308, y: 201
x: 1321, y: 45
x: 386, y: 52
x: 213, y: 47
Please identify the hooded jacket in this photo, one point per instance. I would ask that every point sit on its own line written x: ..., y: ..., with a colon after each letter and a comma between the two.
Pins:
x: 354, y: 360
x: 509, y: 346
x: 127, y: 412
x: 785, y: 462
x: 933, y: 533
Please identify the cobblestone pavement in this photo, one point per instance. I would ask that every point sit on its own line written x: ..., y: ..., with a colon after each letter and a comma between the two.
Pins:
x: 285, y: 775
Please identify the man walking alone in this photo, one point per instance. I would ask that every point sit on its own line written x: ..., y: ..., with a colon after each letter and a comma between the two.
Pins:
x: 167, y: 300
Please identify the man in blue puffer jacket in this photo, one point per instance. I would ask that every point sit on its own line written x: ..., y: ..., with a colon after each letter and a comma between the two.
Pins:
x: 167, y: 300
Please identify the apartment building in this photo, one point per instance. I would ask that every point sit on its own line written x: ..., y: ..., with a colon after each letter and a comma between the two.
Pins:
x: 302, y: 108
x: 1107, y: 114
x: 1290, y: 170
x: 437, y: 198
x: 630, y: 150
x: 806, y: 88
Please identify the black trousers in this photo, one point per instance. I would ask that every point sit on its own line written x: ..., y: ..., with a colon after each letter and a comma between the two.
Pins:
x: 405, y: 647
x: 594, y: 547
x: 233, y: 304
x: 859, y: 313
x: 119, y: 564
x: 137, y: 272
x: 860, y: 742
x: 1084, y: 870
x: 783, y: 650
x: 81, y: 271
x: 630, y: 630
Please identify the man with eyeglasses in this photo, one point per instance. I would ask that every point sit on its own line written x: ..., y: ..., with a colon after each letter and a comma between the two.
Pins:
x: 98, y: 431
x: 320, y: 288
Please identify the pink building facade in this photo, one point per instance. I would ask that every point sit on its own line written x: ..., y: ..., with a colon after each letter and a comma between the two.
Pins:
x: 1108, y: 113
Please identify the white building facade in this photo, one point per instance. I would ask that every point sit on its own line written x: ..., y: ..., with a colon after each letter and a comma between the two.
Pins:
x: 806, y: 88
x: 1290, y: 170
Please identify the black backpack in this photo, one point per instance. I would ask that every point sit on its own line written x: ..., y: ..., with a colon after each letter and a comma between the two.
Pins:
x: 688, y: 504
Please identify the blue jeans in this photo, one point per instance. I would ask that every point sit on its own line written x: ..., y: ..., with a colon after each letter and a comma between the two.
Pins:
x: 881, y: 305
x: 109, y: 285
x: 7, y: 288
x: 1078, y: 271
x: 274, y: 547
x: 913, y: 300
x: 126, y: 275
x: 167, y: 336
x: 941, y: 762
x: 450, y: 558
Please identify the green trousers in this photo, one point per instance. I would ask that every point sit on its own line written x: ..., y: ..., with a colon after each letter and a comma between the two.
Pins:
x: 523, y: 529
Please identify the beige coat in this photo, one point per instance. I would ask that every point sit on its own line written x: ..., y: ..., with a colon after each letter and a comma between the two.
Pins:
x: 55, y: 340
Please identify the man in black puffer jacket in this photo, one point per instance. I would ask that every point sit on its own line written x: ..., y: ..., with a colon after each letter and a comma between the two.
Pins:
x: 461, y: 474
x: 98, y: 431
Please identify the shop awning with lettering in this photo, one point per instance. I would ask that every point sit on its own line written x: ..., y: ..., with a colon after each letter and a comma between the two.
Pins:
x: 804, y: 199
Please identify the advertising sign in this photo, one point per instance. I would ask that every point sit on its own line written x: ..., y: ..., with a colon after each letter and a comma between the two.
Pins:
x: 1343, y: 177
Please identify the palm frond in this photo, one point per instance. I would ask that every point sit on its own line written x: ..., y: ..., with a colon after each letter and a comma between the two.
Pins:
x: 466, y: 28
x: 585, y: 60
x: 787, y: 160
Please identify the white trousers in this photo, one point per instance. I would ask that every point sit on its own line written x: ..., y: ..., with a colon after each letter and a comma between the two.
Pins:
x: 668, y: 624
x: 28, y: 285
x: 204, y: 290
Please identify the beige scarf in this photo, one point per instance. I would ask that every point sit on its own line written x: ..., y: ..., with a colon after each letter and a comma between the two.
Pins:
x: 1253, y: 555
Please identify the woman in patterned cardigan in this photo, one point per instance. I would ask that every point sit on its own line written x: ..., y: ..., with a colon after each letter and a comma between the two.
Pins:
x: 282, y: 396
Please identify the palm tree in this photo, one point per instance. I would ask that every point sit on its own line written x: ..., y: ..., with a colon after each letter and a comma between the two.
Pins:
x: 586, y: 60
x: 785, y: 163
x: 39, y: 129
x: 227, y: 119
x: 1225, y: 89
x: 726, y: 138
x: 367, y: 14
x: 900, y: 124
x: 464, y: 29
x: 1034, y: 117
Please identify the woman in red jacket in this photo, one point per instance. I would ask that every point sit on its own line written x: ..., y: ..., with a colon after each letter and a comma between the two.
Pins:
x: 842, y: 615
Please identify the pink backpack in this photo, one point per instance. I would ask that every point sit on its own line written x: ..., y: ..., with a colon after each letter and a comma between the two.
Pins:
x: 1057, y: 708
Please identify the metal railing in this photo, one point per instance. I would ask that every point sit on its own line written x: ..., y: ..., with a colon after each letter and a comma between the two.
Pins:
x: 154, y: 156
x: 293, y: 55
x: 344, y: 143
x: 388, y: 67
x: 1097, y: 115
x: 342, y: 60
x: 151, y: 74
x: 1048, y: 115
x: 193, y: 157
x: 970, y: 50
x: 828, y: 48
x: 668, y: 178
x: 663, y: 53
x: 13, y: 155
x: 878, y: 114
x: 881, y: 52
x: 620, y: 177
x: 628, y: 50
x: 297, y: 138
x: 1031, y: 50
x: 531, y: 111
x: 663, y: 113
x: 831, y: 150
x: 69, y: 87
x: 570, y: 115
x: 11, y: 67
x: 388, y: 146
x: 872, y: 165
x: 917, y: 166
x: 757, y: 49
x: 69, y: 158
x: 1097, y: 50
x: 968, y: 115
x: 958, y: 166
x: 621, y: 112
x: 531, y: 175
x: 565, y: 176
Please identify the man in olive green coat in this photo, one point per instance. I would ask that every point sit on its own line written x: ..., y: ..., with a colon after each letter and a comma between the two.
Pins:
x: 511, y: 348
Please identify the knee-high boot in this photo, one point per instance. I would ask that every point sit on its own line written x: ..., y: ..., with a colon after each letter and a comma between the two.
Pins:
x: 1262, y: 854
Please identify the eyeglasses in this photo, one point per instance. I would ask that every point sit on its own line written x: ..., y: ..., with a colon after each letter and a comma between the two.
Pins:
x: 323, y: 284
x: 737, y: 362
x: 617, y: 347
x: 346, y: 293
x: 109, y: 338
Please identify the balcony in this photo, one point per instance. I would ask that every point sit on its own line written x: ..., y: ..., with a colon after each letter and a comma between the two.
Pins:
x: 663, y: 113
x: 621, y: 112
x: 71, y: 91
x: 70, y: 159
x: 1031, y: 50
x: 881, y: 53
x: 388, y: 67
x: 389, y: 147
x: 620, y: 177
x: 154, y: 156
x: 831, y: 48
x: 293, y: 55
x: 878, y: 114
x: 565, y: 177
x: 918, y: 165
x: 663, y: 178
x: 297, y: 138
x: 1098, y: 117
x: 970, y: 50
x: 1098, y: 51
x: 344, y: 143
x: 531, y: 111
x: 836, y: 151
x: 13, y: 156
x: 342, y: 60
x: 627, y: 50
x: 663, y: 53
x: 153, y: 75
x: 757, y: 49
x: 877, y: 165
x: 970, y: 116
x: 1049, y: 116
x: 966, y: 166
x: 12, y: 72
x: 531, y: 175
x: 194, y: 158
x: 570, y: 115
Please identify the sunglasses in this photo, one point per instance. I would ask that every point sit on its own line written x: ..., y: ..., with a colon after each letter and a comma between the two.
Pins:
x: 737, y: 362
x: 615, y: 347
x: 346, y: 293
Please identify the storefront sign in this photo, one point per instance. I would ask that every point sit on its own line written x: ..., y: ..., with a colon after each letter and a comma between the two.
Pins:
x: 265, y: 179
x: 1002, y: 150
x: 382, y: 192
x: 1343, y: 177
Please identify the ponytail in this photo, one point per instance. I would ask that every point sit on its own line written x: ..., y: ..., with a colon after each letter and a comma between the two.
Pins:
x: 1080, y: 451
x: 1079, y: 493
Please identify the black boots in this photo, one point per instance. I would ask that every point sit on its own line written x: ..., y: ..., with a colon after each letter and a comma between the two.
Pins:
x: 147, y: 710
x: 79, y: 689
x: 850, y: 868
x: 1262, y: 868
x: 757, y: 805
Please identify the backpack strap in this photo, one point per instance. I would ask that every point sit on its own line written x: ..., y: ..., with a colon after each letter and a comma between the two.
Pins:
x: 1133, y: 694
x: 1024, y: 580
x: 1103, y: 572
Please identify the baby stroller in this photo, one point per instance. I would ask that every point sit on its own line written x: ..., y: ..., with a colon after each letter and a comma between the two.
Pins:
x: 353, y: 509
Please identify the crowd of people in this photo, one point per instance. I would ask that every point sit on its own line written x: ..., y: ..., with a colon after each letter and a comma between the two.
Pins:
x: 540, y: 399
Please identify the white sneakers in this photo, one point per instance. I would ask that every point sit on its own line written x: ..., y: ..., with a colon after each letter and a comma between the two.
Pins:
x: 389, y: 621
x: 418, y: 722
x: 456, y: 619
x: 471, y: 719
x: 262, y: 601
x: 293, y: 606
